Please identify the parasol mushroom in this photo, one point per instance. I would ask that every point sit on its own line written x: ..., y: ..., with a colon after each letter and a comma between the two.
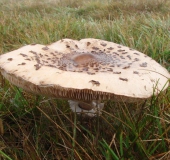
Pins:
x: 86, y: 72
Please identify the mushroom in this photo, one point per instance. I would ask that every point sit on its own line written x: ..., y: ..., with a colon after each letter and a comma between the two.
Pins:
x: 86, y: 72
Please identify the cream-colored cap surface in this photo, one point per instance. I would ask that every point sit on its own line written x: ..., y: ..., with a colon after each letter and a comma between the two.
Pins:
x: 89, y: 69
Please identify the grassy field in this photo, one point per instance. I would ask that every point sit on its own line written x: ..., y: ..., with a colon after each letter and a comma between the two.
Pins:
x: 38, y: 128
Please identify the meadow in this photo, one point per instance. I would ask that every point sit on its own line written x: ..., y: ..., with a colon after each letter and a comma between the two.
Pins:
x: 34, y: 127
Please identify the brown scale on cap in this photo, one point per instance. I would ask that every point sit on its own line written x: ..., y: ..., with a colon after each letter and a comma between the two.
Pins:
x: 33, y: 52
x: 135, y: 72
x: 28, y: 59
x: 110, y: 48
x: 95, y: 48
x: 110, y: 69
x: 124, y: 52
x: 136, y: 59
x: 136, y: 53
x: 97, y: 83
x: 88, y: 43
x: 90, y: 73
x: 45, y: 48
x: 116, y: 72
x: 126, y: 67
x: 129, y: 56
x: 10, y: 59
x: 122, y: 57
x: 24, y: 55
x: 143, y: 64
x: 76, y: 46
x: 22, y: 63
x: 123, y: 79
x: 37, y: 66
x: 131, y: 49
x: 103, y: 44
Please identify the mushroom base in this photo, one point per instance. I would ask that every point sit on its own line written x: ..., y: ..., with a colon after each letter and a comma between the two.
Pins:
x: 91, y: 109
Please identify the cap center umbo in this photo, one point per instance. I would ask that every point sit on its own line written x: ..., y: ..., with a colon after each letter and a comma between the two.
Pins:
x: 83, y: 59
x: 87, y: 62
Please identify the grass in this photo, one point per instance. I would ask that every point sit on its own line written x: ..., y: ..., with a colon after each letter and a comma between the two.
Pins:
x: 38, y: 128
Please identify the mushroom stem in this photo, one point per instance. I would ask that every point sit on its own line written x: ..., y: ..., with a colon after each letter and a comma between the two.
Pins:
x: 90, y: 109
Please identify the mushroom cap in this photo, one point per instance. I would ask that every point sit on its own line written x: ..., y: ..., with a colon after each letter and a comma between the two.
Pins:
x: 89, y: 69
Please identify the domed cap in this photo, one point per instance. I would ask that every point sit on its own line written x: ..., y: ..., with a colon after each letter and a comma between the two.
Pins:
x: 89, y: 69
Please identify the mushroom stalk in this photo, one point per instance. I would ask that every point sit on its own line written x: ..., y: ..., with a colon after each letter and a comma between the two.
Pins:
x: 90, y: 109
